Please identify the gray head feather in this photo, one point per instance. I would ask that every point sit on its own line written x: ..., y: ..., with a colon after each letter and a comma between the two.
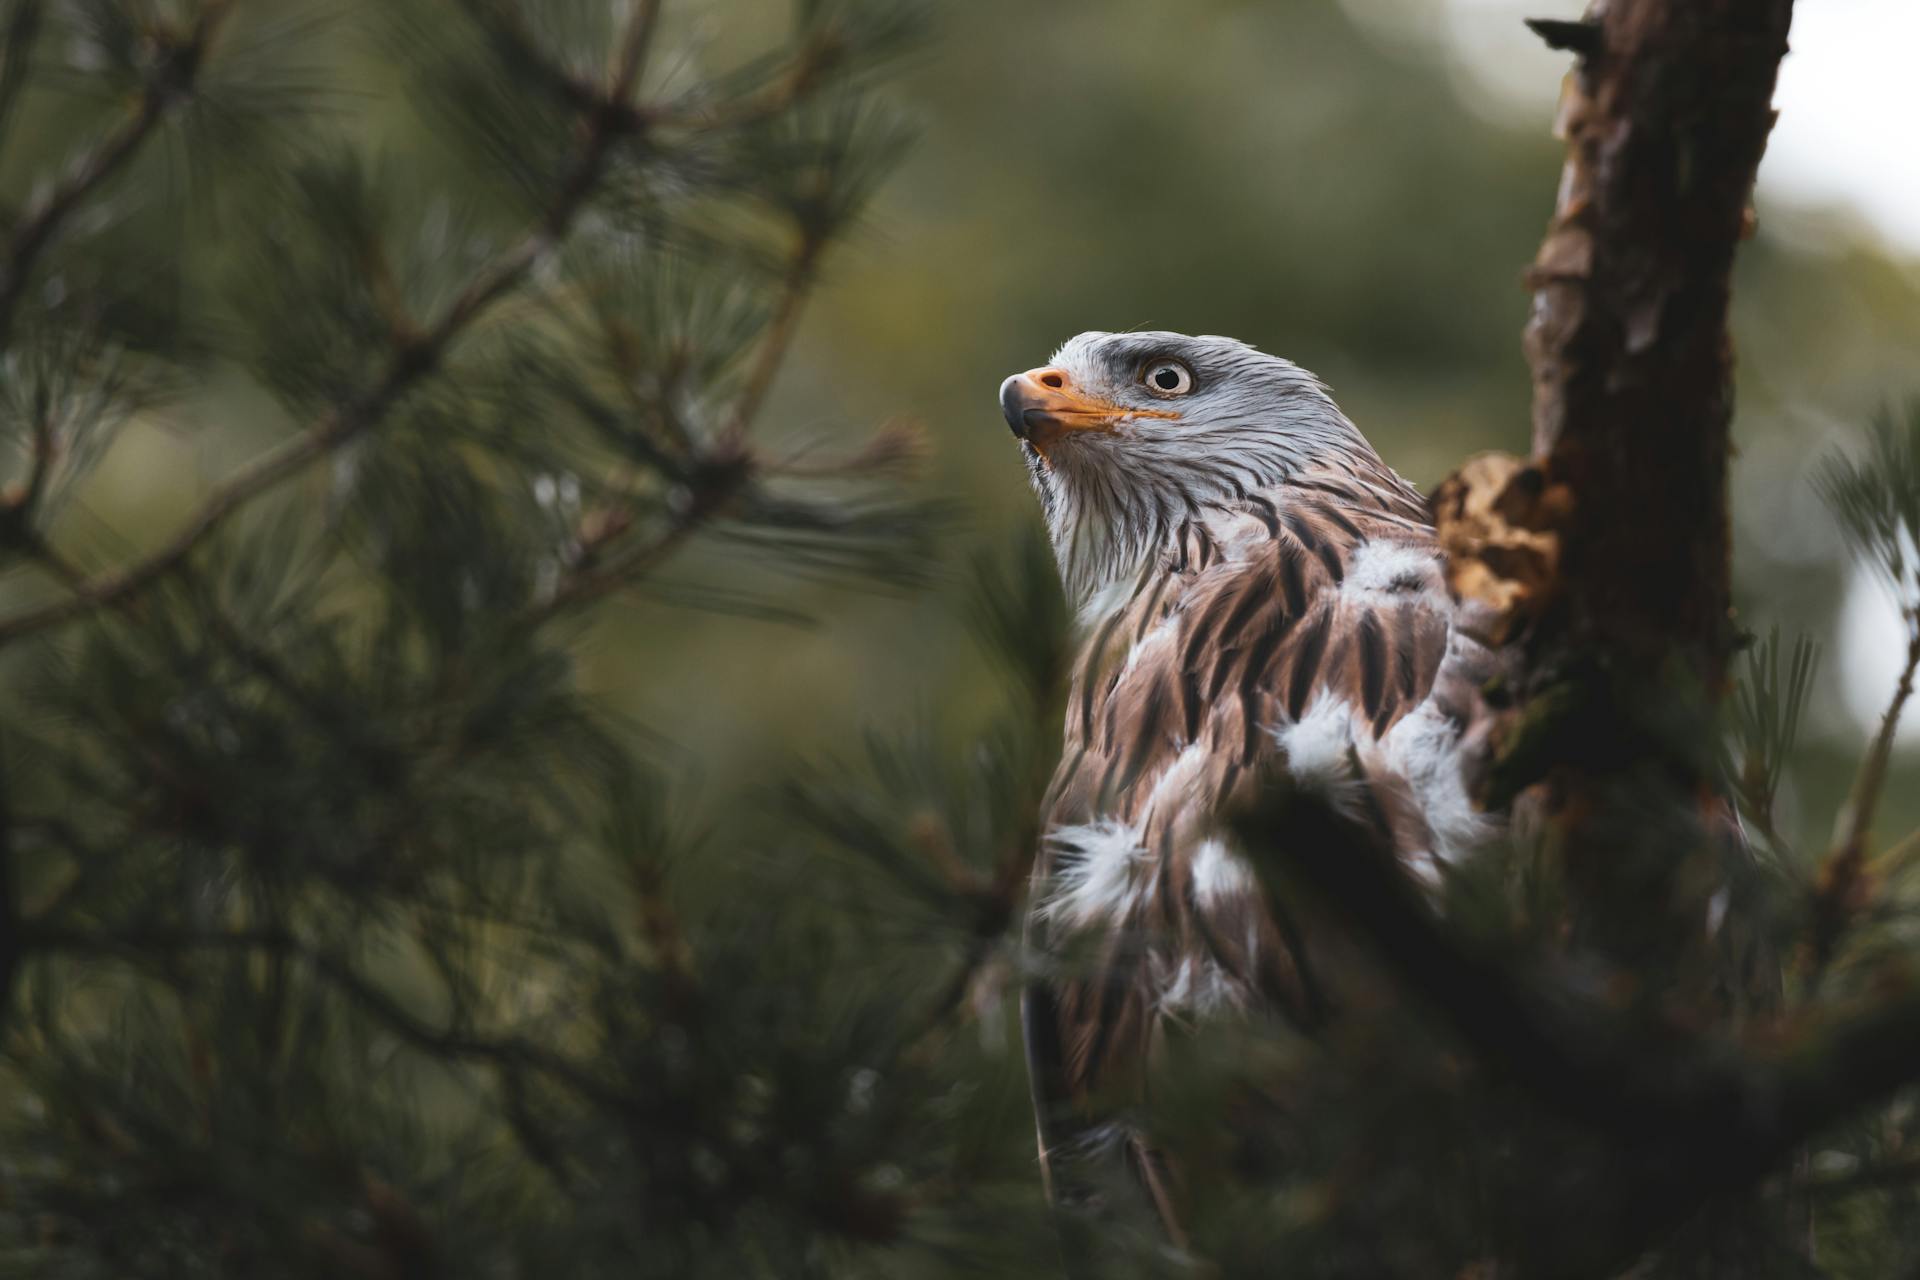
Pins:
x: 1250, y: 421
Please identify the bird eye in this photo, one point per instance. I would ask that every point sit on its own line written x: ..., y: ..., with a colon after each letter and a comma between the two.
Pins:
x: 1167, y: 378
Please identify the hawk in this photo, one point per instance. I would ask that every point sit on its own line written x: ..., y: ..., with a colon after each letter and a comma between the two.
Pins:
x: 1254, y: 590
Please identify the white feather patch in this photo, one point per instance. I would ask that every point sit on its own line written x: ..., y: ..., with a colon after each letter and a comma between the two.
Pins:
x: 1218, y: 874
x: 1318, y: 745
x: 1424, y: 749
x: 1384, y: 571
x: 1100, y: 873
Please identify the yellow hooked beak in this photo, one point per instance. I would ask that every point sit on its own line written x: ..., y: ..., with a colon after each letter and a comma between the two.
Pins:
x: 1043, y: 406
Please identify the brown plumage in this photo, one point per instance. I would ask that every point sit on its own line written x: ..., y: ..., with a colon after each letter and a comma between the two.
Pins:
x: 1256, y: 591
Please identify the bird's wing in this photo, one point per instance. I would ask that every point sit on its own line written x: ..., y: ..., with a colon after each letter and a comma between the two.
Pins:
x: 1307, y: 631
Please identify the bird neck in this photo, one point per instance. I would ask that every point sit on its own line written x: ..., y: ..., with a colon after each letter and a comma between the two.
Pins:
x: 1110, y: 527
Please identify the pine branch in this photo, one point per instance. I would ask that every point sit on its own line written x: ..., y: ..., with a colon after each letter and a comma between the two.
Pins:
x: 1876, y: 501
x: 1687, y: 1117
x: 167, y: 89
x: 1845, y: 884
x: 1900, y: 1176
x: 633, y: 50
x: 1898, y: 856
x: 1767, y: 709
x: 757, y: 108
x: 412, y: 357
x: 94, y: 866
x: 729, y: 467
x: 536, y: 1143
x: 22, y: 31
x: 10, y: 948
x: 795, y: 286
x: 593, y: 577
x: 500, y: 21
x: 19, y: 506
x: 1856, y: 818
x: 505, y: 1053
x: 40, y: 468
x: 993, y: 904
x: 517, y: 47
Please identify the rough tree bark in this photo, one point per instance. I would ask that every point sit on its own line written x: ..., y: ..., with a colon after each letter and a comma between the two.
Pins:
x: 1604, y: 560
x: 1665, y: 120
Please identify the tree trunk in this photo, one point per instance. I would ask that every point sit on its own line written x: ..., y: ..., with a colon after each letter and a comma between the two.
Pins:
x: 1665, y: 121
x: 1604, y: 561
x: 1620, y: 606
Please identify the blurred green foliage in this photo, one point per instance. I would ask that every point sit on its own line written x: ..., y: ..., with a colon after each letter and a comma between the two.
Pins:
x: 613, y: 952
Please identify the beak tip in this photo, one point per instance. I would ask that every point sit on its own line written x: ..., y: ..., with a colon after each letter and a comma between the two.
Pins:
x: 1013, y: 406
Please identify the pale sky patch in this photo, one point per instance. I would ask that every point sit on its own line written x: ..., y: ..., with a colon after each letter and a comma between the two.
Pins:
x: 1848, y: 98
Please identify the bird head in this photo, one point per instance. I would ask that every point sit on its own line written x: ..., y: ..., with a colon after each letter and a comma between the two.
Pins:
x: 1127, y: 435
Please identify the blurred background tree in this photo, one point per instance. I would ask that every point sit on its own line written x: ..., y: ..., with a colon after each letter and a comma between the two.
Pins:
x: 442, y: 521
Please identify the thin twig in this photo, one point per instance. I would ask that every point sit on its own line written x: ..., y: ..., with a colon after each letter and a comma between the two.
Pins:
x: 994, y: 902
x: 794, y: 288
x: 40, y: 467
x: 1897, y: 855
x: 1844, y: 885
x: 1856, y: 819
x: 634, y: 48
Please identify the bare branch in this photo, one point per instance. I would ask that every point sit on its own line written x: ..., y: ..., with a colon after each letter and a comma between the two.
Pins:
x: 1856, y: 818
x: 1582, y: 38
